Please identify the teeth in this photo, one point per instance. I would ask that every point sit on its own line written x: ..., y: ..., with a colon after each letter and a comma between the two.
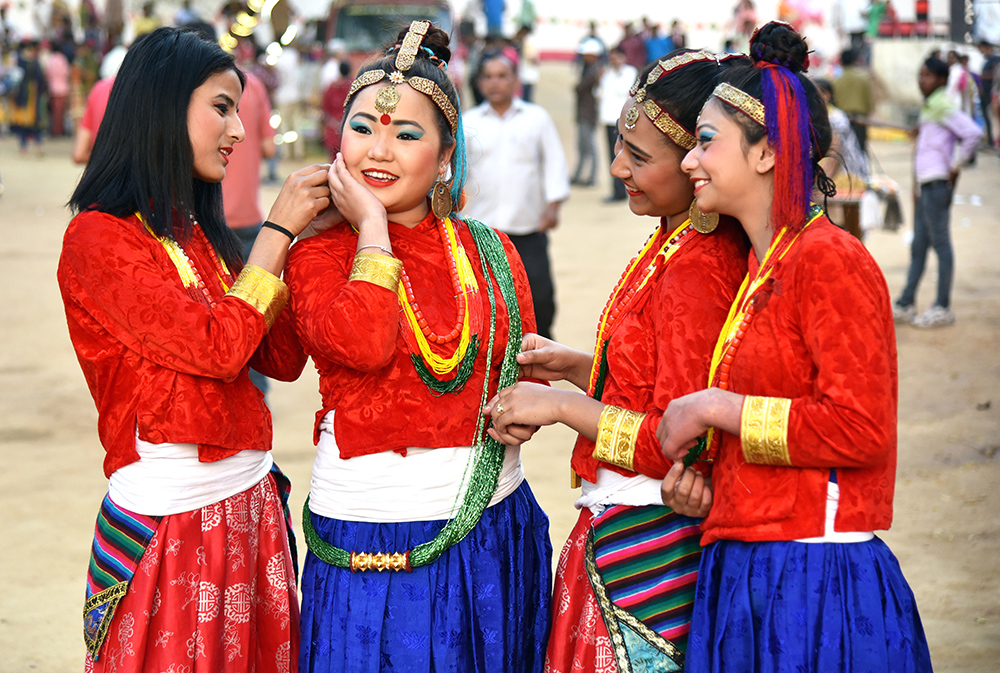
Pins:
x: 700, y: 183
x: 379, y: 175
x: 225, y: 151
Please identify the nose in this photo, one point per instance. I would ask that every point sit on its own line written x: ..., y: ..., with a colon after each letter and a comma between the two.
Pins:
x: 236, y: 130
x: 379, y: 150
x: 619, y: 169
x: 690, y: 162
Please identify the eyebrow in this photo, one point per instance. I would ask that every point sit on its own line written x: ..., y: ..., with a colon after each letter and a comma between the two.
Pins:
x: 395, y: 122
x: 636, y: 150
x: 229, y: 101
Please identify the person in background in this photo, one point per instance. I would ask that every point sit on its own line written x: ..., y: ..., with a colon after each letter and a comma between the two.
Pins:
x: 854, y: 95
x: 799, y: 412
x: 678, y: 36
x: 613, y: 91
x: 657, y: 45
x: 90, y: 122
x: 27, y: 99
x: 529, y: 71
x: 57, y: 74
x: 517, y: 176
x: 634, y: 47
x: 590, y: 51
x: 990, y: 62
x: 149, y: 21
x: 333, y: 109
x: 936, y: 165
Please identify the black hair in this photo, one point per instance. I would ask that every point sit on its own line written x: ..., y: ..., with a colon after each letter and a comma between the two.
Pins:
x: 433, y: 51
x: 848, y: 57
x: 936, y: 67
x: 683, y: 91
x: 142, y: 159
x: 778, y: 43
x: 494, y: 55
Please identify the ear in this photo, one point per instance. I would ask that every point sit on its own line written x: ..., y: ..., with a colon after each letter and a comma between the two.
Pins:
x: 445, y: 161
x: 763, y: 155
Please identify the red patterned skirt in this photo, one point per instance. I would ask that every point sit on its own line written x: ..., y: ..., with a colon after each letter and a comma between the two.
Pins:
x: 579, y: 639
x: 214, y: 593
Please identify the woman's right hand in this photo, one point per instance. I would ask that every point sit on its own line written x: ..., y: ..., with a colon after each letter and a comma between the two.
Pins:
x: 354, y: 201
x: 303, y: 196
x: 544, y: 359
x: 687, y: 491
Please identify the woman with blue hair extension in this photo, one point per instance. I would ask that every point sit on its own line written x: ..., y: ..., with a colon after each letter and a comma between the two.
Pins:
x: 414, y: 319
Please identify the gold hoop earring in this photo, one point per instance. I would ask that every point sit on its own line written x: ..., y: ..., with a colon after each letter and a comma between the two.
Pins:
x: 441, y: 202
x: 703, y: 223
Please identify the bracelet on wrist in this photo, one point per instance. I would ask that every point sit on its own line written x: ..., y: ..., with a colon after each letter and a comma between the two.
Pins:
x: 380, y: 247
x: 278, y: 227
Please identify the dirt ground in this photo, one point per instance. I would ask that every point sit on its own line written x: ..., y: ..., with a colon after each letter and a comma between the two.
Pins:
x: 946, y: 531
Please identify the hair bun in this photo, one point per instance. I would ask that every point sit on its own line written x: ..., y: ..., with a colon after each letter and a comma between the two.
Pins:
x: 436, y: 40
x: 778, y: 43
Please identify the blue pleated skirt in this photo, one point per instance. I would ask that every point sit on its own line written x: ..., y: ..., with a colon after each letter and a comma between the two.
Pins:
x: 482, y: 606
x: 793, y: 606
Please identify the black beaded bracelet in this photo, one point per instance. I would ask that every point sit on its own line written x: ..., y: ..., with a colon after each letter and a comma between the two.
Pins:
x: 278, y: 227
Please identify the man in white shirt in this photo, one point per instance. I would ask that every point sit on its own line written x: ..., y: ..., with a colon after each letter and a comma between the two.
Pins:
x: 518, y: 175
x: 612, y: 92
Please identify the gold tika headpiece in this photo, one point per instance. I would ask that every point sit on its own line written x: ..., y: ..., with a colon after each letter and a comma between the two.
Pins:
x: 660, y: 118
x: 388, y: 97
x: 742, y: 101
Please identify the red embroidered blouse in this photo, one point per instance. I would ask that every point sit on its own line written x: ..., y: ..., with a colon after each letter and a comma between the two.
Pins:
x: 155, y: 358
x: 823, y: 337
x: 352, y: 332
x: 662, y: 348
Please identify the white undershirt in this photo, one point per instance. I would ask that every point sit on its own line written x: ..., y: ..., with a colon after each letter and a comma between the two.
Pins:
x: 169, y: 478
x: 639, y: 490
x: 386, y: 487
x: 829, y: 534
x: 617, y: 489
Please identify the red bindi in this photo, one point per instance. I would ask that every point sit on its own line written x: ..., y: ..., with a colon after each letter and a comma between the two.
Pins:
x: 385, y: 119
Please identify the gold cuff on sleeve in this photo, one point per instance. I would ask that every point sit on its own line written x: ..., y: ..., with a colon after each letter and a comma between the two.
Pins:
x: 377, y: 269
x: 616, y: 436
x: 262, y: 290
x: 764, y: 430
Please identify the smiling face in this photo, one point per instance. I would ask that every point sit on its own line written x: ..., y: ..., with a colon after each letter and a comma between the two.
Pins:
x: 727, y: 176
x: 213, y: 125
x: 649, y: 165
x: 399, y: 161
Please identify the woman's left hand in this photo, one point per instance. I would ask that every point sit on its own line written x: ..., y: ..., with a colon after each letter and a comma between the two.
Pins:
x: 682, y: 424
x: 520, y: 407
x: 687, y: 491
x: 303, y: 196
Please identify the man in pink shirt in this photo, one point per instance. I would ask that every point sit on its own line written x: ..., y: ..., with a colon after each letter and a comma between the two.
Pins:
x: 86, y: 132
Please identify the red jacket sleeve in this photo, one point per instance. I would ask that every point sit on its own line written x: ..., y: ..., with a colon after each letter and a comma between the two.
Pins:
x: 123, y: 279
x: 849, y: 420
x: 280, y: 355
x: 353, y: 324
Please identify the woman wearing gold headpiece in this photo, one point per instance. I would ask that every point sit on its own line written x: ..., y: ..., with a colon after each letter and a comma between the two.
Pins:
x: 801, y: 410
x: 626, y: 578
x: 427, y: 550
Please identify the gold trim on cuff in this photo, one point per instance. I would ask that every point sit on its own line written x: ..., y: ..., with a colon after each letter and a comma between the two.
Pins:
x: 617, y: 433
x: 262, y: 290
x: 764, y: 430
x: 376, y: 269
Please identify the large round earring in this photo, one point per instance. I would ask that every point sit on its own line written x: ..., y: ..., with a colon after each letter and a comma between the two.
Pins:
x: 441, y: 202
x: 703, y: 223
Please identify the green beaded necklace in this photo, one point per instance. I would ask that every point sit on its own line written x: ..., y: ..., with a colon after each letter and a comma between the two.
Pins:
x: 488, y: 454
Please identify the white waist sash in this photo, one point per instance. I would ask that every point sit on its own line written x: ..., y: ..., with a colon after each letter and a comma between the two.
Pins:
x: 829, y: 534
x: 617, y: 489
x: 169, y: 478
x: 387, y: 487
